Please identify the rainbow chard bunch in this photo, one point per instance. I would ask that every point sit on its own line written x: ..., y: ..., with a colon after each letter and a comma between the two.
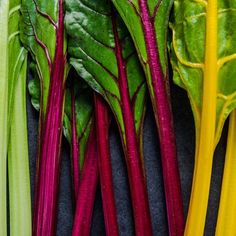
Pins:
x: 203, y: 63
x: 94, y: 59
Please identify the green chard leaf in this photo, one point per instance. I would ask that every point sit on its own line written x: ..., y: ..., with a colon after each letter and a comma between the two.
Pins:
x: 188, y: 57
x: 39, y: 30
x: 77, y: 124
x: 102, y: 53
x: 147, y: 21
x: 203, y: 57
x: 93, y: 56
x: 80, y: 99
x: 12, y: 77
x: 42, y: 33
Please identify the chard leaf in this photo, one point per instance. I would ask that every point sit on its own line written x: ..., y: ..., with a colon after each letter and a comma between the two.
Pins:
x: 203, y: 63
x: 39, y: 30
x: 12, y: 60
x: 103, y: 55
x: 42, y: 33
x: 188, y: 57
x: 94, y: 58
x: 77, y: 124
x: 83, y: 105
x: 147, y: 21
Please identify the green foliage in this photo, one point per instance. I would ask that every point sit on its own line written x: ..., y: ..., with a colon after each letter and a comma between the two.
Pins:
x: 188, y: 51
x: 12, y: 70
x: 91, y: 47
x: 38, y: 33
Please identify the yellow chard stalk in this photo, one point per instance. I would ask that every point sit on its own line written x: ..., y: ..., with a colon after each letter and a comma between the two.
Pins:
x: 203, y: 61
x: 227, y: 210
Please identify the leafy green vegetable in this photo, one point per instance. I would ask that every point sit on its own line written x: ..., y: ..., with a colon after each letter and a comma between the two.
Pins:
x: 203, y: 63
x: 83, y: 111
x: 226, y: 213
x: 42, y: 32
x: 102, y: 122
x: 107, y: 60
x: 11, y: 71
x: 4, y: 9
x: 78, y: 116
x: 147, y: 22
x: 18, y: 163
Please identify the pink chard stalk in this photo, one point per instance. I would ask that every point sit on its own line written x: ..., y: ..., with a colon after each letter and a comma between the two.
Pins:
x: 108, y: 198
x: 80, y: 131
x: 38, y: 26
x: 148, y: 23
x: 109, y: 64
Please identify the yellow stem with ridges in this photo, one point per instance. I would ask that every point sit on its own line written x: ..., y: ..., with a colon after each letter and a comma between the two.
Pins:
x: 227, y: 210
x: 204, y: 155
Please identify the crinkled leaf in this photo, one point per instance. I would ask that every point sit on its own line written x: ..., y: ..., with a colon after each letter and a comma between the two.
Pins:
x: 92, y: 50
x: 188, y: 56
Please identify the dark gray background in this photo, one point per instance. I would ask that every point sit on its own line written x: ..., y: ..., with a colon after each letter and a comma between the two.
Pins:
x: 184, y: 127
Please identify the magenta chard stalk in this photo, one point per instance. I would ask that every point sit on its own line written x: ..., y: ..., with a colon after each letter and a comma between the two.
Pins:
x: 108, y: 198
x: 148, y: 24
x: 50, y: 59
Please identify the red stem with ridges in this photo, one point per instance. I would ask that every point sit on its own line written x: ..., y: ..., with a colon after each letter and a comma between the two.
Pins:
x: 164, y: 121
x: 87, y: 189
x: 45, y: 206
x: 74, y: 148
x: 105, y: 169
x: 142, y: 218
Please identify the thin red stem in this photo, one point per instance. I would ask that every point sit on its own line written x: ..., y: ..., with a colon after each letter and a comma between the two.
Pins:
x: 136, y: 175
x: 164, y: 121
x: 87, y: 189
x: 105, y: 169
x: 49, y: 153
x: 74, y: 148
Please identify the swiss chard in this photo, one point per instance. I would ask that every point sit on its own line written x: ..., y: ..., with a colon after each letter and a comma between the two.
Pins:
x: 78, y: 119
x: 105, y: 171
x: 227, y: 209
x: 18, y: 163
x: 107, y: 60
x: 204, y: 64
x: 87, y: 188
x: 42, y: 32
x: 147, y: 22
x: 79, y: 129
x: 12, y: 97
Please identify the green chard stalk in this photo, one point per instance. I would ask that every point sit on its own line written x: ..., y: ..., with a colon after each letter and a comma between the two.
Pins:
x: 13, y: 128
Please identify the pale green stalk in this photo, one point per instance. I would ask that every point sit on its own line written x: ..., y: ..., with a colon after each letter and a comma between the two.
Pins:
x: 4, y: 9
x: 18, y: 163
